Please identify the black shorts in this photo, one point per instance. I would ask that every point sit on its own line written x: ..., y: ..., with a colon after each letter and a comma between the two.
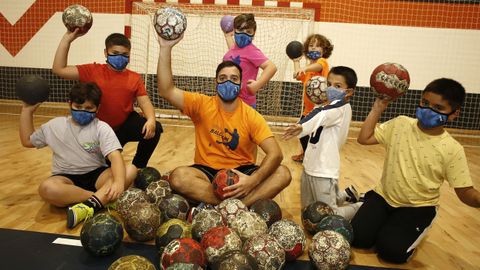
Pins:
x: 86, y: 181
x: 210, y: 172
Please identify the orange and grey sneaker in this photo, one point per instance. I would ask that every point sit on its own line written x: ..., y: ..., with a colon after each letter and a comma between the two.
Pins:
x: 77, y: 213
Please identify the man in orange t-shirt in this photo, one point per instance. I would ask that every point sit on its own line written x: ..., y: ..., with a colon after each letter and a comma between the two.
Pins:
x: 121, y: 88
x: 227, y: 132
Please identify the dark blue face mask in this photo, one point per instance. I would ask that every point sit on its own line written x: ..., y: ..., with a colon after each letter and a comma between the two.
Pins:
x: 83, y: 117
x: 429, y: 118
x: 314, y: 55
x: 118, y: 61
x: 243, y: 39
x: 228, y: 90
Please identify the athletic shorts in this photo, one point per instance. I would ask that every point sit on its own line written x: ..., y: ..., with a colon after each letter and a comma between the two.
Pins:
x: 86, y: 181
x: 210, y: 172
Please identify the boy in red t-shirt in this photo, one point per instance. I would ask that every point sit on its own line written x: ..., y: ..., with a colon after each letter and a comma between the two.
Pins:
x: 121, y: 88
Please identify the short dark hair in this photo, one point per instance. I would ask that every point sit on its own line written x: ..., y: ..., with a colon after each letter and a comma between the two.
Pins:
x: 245, y: 21
x: 450, y: 90
x: 81, y: 92
x: 347, y: 73
x: 322, y: 41
x: 117, y: 39
x: 225, y: 64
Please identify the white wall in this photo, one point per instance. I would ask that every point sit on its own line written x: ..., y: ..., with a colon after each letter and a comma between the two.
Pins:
x: 428, y: 53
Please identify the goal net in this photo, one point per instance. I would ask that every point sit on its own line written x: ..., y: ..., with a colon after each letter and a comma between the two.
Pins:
x: 196, y: 57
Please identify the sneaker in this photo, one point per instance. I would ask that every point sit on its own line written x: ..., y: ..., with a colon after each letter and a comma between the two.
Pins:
x: 77, y: 214
x: 352, y: 194
x: 362, y: 197
x: 298, y: 158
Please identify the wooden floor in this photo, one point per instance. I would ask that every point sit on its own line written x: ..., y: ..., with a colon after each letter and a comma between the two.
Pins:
x: 453, y: 242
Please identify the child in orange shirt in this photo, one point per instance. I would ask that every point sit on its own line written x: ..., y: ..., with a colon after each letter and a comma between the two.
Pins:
x: 317, y: 49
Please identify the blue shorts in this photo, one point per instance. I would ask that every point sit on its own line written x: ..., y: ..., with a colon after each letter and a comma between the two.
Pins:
x: 210, y: 172
x: 86, y: 181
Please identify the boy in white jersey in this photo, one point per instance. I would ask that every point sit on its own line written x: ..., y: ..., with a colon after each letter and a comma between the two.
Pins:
x: 80, y: 143
x: 328, y: 127
x: 420, y: 156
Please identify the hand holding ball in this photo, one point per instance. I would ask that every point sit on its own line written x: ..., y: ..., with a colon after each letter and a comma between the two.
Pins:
x: 226, y: 23
x: 77, y: 16
x: 32, y: 89
x: 294, y: 49
x: 390, y: 80
x: 223, y: 179
x: 170, y: 23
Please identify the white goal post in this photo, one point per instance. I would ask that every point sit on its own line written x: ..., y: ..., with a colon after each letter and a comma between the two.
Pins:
x: 196, y: 57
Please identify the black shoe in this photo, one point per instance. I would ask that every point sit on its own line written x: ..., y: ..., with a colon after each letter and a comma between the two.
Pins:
x: 352, y: 194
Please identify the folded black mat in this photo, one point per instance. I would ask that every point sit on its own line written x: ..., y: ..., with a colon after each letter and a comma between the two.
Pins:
x: 21, y: 250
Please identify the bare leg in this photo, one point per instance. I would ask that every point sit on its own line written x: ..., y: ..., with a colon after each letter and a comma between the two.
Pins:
x: 105, y: 176
x: 61, y: 192
x: 193, y: 184
x: 270, y: 187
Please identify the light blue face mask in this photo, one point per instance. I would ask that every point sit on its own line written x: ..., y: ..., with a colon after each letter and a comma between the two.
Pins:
x: 118, y: 61
x: 314, y: 55
x: 228, y: 90
x: 429, y: 118
x: 334, y: 93
x: 83, y: 117
x: 243, y: 39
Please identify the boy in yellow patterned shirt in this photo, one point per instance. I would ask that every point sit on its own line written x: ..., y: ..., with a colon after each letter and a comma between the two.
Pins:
x: 420, y: 156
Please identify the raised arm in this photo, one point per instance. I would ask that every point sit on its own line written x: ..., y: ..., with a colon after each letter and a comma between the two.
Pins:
x: 60, y: 61
x: 296, y: 67
x: 313, y: 67
x: 26, y: 124
x: 229, y: 39
x: 366, y: 135
x: 166, y: 88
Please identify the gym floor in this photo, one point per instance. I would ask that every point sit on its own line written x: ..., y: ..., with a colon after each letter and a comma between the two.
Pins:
x: 452, y: 243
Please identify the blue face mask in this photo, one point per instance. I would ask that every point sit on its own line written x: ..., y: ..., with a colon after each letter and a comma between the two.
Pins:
x: 83, y: 117
x: 118, y: 61
x: 334, y: 93
x: 243, y: 39
x: 228, y: 90
x: 429, y: 118
x: 314, y: 55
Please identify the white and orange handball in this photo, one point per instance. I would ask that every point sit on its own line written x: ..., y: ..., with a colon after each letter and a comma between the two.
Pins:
x: 316, y: 89
x: 390, y: 80
x: 169, y: 22
x: 77, y: 16
x: 329, y: 250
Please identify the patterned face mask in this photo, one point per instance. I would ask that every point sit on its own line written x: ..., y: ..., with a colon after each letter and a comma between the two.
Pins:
x: 118, y: 61
x: 228, y: 90
x: 83, y: 117
x: 429, y: 118
x: 334, y: 93
x: 314, y: 55
x: 243, y: 39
